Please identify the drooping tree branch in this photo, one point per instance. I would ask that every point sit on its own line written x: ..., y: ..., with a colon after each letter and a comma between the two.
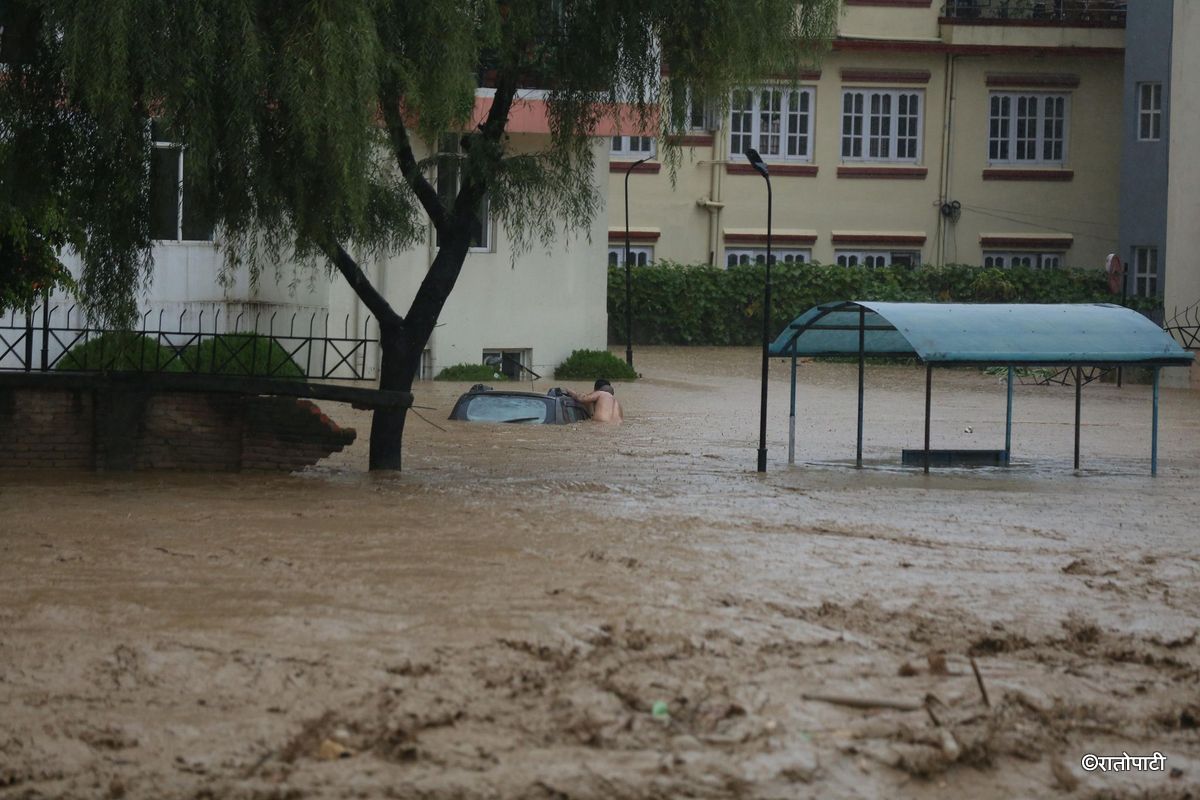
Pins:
x: 402, y: 149
x: 361, y: 284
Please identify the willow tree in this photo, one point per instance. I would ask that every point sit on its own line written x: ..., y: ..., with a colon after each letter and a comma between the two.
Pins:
x: 307, y: 119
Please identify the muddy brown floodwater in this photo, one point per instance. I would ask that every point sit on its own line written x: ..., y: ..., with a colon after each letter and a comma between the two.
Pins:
x: 625, y: 612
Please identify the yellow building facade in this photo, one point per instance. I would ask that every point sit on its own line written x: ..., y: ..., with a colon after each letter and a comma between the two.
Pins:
x: 975, y: 132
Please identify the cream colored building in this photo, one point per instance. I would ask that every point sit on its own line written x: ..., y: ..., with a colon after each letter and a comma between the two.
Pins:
x: 930, y: 134
x: 1182, y: 278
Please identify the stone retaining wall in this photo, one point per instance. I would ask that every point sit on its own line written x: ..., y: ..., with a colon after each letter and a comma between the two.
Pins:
x: 121, y: 429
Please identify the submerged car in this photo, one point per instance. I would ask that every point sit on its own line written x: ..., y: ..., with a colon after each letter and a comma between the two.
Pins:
x: 485, y: 404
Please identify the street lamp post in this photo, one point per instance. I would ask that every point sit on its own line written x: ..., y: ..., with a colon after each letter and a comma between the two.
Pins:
x: 628, y: 278
x: 757, y: 162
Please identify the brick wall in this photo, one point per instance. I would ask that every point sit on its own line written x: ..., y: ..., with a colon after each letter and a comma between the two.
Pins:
x: 128, y: 429
x: 46, y: 429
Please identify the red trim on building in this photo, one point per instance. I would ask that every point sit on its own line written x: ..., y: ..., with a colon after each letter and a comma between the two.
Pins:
x: 692, y: 140
x: 893, y: 173
x: 898, y: 3
x: 1033, y: 81
x: 784, y: 170
x: 621, y: 166
x: 853, y: 75
x: 1063, y: 242
x: 1004, y: 174
x: 882, y: 46
x: 634, y: 236
x: 776, y: 238
x: 877, y: 238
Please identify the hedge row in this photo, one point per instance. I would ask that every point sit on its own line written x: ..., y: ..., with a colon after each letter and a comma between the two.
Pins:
x: 703, y: 305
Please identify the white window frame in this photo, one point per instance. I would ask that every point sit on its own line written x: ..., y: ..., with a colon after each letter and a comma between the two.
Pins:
x: 1006, y: 259
x: 875, y: 258
x: 696, y: 117
x: 641, y: 255
x: 1145, y: 271
x: 633, y: 147
x: 1150, y: 108
x: 788, y: 123
x: 1004, y: 139
x: 524, y: 358
x: 743, y: 256
x: 181, y: 152
x: 872, y: 122
x: 485, y: 215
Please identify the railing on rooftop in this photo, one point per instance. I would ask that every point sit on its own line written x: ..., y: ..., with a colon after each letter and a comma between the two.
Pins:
x: 1097, y: 13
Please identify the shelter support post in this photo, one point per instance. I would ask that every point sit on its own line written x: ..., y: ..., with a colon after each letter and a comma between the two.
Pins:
x: 928, y: 395
x: 792, y: 415
x: 862, y: 361
x: 1154, y: 428
x: 1078, y: 398
x: 1008, y: 420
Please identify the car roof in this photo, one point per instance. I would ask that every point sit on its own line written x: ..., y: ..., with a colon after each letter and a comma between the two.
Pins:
x: 509, y: 393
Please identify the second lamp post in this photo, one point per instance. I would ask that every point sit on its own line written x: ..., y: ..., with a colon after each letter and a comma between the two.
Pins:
x: 757, y: 162
x: 628, y: 278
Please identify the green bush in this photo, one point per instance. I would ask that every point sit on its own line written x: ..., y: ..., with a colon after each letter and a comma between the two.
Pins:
x: 241, y: 354
x: 593, y: 364
x: 703, y: 305
x: 470, y: 372
x: 122, y: 351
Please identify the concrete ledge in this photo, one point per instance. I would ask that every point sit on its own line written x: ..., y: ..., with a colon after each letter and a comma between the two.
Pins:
x: 357, y: 396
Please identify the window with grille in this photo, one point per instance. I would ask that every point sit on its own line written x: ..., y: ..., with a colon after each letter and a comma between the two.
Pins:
x: 639, y: 256
x: 1027, y: 128
x: 632, y: 146
x: 876, y: 258
x: 775, y: 122
x: 1004, y: 260
x: 1145, y: 271
x: 758, y: 255
x: 881, y: 125
x: 1149, y: 112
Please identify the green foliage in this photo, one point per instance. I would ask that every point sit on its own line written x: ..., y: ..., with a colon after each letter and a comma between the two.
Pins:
x: 241, y: 354
x: 470, y: 372
x: 69, y: 176
x: 593, y: 364
x: 28, y: 270
x: 122, y: 351
x: 703, y: 305
x: 279, y: 105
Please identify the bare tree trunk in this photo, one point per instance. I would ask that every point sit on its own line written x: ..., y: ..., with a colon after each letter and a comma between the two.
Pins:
x: 387, y: 424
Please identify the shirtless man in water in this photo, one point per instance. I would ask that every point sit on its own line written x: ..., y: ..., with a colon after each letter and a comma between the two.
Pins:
x: 601, y: 402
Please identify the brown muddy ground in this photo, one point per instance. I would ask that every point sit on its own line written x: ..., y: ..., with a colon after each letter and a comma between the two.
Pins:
x: 500, y: 620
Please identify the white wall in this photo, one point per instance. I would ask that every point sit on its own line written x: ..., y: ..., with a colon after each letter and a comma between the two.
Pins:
x: 549, y: 302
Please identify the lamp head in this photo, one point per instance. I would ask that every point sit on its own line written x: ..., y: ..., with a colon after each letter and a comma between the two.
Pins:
x: 756, y: 161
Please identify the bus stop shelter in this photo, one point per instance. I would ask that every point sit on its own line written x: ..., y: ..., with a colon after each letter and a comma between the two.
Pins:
x: 967, y: 334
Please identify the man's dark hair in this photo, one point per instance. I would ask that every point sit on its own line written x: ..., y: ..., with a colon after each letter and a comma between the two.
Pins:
x: 602, y: 383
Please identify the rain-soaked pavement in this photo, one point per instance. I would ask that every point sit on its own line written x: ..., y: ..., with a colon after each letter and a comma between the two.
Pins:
x: 609, y: 612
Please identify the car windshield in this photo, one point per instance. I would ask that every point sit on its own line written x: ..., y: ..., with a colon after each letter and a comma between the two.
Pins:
x: 504, y: 408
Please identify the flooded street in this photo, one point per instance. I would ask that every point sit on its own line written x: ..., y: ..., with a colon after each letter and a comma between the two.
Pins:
x: 589, y: 611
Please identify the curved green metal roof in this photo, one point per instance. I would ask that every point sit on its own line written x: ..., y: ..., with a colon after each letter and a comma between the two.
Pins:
x: 983, y: 333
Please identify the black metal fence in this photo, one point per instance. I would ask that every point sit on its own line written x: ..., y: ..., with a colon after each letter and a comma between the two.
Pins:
x: 1099, y: 13
x: 310, y: 346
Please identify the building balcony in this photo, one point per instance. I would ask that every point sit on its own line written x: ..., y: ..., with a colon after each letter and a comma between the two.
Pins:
x: 1060, y: 13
